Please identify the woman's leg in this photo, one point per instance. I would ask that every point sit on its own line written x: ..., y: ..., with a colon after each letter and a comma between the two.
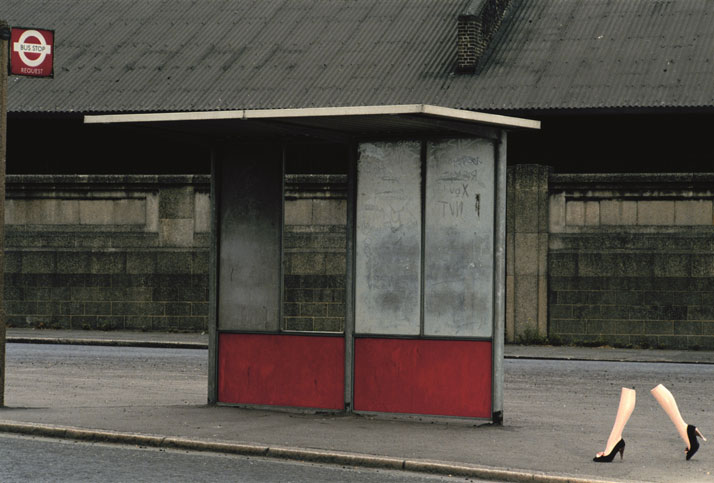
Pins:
x: 624, y: 411
x: 666, y: 400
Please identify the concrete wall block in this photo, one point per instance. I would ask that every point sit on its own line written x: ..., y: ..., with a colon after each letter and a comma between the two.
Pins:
x: 526, y: 300
x: 672, y: 265
x: 13, y: 262
x: 558, y: 311
x: 565, y: 326
x: 600, y: 327
x: 176, y: 232
x: 84, y: 322
x: 526, y: 253
x: 200, y: 263
x: 313, y: 310
x: 142, y: 323
x: 700, y: 342
x: 305, y: 263
x: 291, y: 309
x: 510, y: 309
x: 527, y: 207
x: 595, y: 265
x: 336, y: 310
x: 39, y: 262
x: 335, y: 263
x: 299, y: 295
x: 693, y: 212
x: 178, y: 308
x: 298, y: 212
x: 329, y: 324
x: 702, y: 265
x: 543, y: 254
x: 298, y: 323
x: 199, y: 309
x: 659, y: 327
x: 129, y: 211
x: 136, y: 294
x: 630, y: 327
x: 164, y: 294
x: 193, y: 294
x: 90, y: 294
x: 191, y: 324
x: 174, y: 262
x: 618, y: 212
x: 700, y: 313
x: 176, y: 202
x: 510, y: 253
x: 73, y: 262
x: 575, y: 213
x: 138, y: 308
x: 329, y: 212
x: 688, y: 327
x: 573, y: 297
x: 108, y: 262
x: 152, y: 213
x: 563, y: 265
x: 510, y: 198
x: 592, y: 213
x: 98, y: 308
x: 202, y: 212
x: 556, y: 213
x: 655, y: 212
x: 141, y: 262
x: 36, y: 293
x: 96, y: 212
x: 110, y: 322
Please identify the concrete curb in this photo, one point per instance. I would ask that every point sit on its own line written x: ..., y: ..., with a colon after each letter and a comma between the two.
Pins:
x: 298, y: 454
x: 108, y: 342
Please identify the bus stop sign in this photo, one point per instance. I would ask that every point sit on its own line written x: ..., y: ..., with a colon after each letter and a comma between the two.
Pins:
x: 31, y: 52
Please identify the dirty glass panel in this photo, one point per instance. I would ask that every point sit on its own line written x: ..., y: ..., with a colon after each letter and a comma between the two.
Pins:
x: 250, y: 223
x: 388, y: 238
x: 458, y: 272
x: 315, y: 238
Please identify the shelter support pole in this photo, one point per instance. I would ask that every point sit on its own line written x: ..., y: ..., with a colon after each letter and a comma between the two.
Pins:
x: 499, y: 302
x: 4, y: 37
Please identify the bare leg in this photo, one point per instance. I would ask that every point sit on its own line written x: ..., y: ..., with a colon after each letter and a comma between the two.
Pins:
x: 666, y: 400
x: 624, y: 411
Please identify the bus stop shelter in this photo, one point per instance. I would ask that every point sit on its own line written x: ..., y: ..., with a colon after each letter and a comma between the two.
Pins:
x: 425, y: 264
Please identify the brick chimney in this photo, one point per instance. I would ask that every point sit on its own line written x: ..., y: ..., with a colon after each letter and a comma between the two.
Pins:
x: 477, y: 25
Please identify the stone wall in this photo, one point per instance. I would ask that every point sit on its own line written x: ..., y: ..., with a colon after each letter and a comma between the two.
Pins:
x: 315, y: 245
x: 625, y: 260
x: 631, y: 260
x: 107, y: 252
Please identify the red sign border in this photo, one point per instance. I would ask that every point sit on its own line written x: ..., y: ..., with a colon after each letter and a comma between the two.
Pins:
x: 9, y: 53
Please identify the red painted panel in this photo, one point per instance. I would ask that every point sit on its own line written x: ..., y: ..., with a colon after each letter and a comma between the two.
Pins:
x: 437, y: 377
x: 281, y: 370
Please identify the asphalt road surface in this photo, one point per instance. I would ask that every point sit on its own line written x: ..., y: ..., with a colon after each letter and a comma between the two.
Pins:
x: 24, y: 459
x: 557, y: 413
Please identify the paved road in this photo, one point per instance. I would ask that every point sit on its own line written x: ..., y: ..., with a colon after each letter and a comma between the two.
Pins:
x: 68, y: 461
x: 557, y: 413
x: 81, y: 376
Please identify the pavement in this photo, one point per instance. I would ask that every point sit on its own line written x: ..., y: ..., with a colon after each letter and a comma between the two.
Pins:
x: 435, y: 445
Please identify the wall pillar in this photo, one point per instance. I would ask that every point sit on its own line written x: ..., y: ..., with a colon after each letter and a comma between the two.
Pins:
x: 527, y: 252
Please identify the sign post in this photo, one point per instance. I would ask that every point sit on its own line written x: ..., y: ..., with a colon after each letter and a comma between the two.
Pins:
x: 31, y: 54
x: 4, y: 37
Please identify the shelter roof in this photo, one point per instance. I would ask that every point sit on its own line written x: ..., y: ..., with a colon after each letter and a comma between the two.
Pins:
x: 121, y: 56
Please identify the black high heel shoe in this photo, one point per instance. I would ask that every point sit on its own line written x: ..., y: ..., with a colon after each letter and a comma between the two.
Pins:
x: 692, y: 433
x: 607, y: 458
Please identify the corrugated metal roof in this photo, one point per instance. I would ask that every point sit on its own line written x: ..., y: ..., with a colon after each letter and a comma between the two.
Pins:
x: 186, y: 55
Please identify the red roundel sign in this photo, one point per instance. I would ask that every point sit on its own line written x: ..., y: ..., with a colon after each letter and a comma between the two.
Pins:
x: 31, y: 52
